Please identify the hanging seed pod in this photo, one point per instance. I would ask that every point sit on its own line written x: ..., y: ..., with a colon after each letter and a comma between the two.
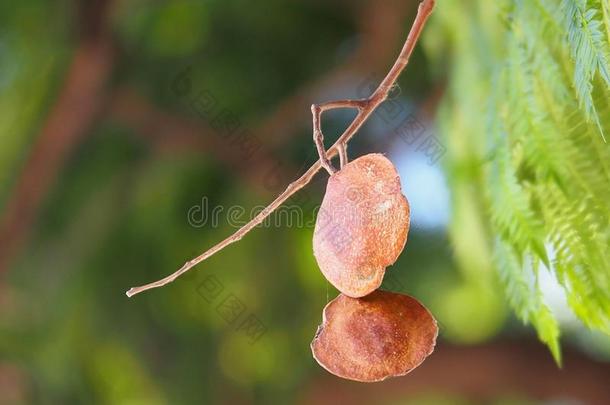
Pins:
x: 362, y: 225
x: 375, y: 337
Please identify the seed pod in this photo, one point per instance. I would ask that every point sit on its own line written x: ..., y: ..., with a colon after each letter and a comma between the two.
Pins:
x: 375, y: 337
x: 362, y: 225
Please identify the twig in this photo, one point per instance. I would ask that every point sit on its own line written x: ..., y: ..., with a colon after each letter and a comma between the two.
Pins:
x: 318, y: 140
x: 343, y: 155
x: 318, y: 137
x: 365, y: 108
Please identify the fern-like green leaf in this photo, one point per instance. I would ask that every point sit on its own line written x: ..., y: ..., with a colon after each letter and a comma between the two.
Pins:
x: 589, y: 49
x: 539, y: 72
x: 525, y: 297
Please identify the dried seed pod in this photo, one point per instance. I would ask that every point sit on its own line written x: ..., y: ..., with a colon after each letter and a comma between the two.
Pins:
x: 375, y: 337
x: 362, y: 225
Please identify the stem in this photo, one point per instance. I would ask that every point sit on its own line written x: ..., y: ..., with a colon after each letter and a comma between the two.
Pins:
x: 318, y: 137
x: 343, y: 155
x: 365, y: 107
x: 318, y: 140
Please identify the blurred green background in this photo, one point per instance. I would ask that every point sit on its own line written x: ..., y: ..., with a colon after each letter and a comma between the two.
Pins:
x: 123, y: 126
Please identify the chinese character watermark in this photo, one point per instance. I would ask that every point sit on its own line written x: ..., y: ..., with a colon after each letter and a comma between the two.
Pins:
x: 231, y: 308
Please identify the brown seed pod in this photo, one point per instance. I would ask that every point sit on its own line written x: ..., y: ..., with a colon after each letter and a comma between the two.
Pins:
x: 362, y: 225
x: 375, y: 337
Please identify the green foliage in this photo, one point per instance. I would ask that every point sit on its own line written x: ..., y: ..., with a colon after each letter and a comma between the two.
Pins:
x: 589, y: 49
x: 525, y: 120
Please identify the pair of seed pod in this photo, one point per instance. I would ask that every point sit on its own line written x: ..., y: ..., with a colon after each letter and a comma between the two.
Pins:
x: 367, y: 334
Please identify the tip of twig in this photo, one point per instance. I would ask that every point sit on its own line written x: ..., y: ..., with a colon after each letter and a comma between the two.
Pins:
x: 130, y: 293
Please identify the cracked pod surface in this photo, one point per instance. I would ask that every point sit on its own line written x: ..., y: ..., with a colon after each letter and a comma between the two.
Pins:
x: 362, y: 225
x: 375, y: 337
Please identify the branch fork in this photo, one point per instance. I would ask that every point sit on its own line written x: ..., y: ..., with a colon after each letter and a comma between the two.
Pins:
x: 365, y: 108
x: 318, y: 137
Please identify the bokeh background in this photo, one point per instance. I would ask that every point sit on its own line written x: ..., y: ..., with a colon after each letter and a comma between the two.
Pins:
x: 135, y: 134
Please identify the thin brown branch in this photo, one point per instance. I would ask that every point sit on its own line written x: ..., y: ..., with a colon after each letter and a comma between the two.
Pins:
x: 368, y: 107
x: 343, y: 155
x: 318, y: 136
x: 318, y: 139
